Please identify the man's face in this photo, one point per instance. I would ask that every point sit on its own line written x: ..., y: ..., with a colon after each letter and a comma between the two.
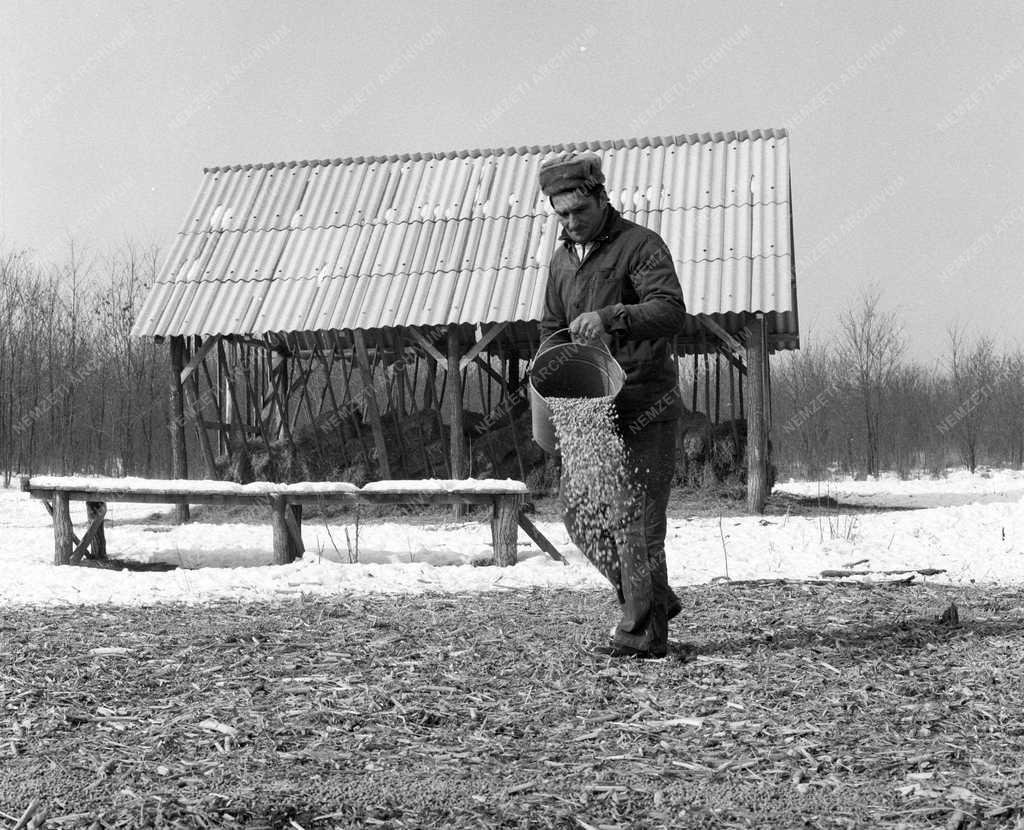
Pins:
x: 581, y: 215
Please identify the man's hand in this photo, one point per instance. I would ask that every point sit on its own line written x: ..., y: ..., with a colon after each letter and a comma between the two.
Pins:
x: 587, y: 327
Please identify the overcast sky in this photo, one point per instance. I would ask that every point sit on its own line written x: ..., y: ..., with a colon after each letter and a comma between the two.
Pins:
x: 905, y: 118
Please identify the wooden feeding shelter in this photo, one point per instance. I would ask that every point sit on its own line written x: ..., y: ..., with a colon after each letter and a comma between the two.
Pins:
x: 373, y: 317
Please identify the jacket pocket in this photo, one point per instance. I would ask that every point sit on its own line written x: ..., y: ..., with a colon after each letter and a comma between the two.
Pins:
x: 605, y: 288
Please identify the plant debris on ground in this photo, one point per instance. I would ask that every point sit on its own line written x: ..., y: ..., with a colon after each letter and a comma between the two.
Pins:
x: 802, y: 704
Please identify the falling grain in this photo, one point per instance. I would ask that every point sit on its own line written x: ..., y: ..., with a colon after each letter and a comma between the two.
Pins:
x: 596, y: 486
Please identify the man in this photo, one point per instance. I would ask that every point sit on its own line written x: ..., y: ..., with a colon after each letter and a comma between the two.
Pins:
x: 614, y: 280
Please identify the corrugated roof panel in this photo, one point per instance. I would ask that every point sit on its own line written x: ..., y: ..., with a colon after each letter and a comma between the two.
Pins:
x: 331, y: 298
x: 402, y: 304
x: 457, y: 301
x: 438, y: 238
x: 504, y: 295
x: 407, y: 243
x: 420, y: 306
x: 436, y: 309
x: 367, y: 255
x: 471, y: 254
x: 217, y: 262
x: 179, y: 298
x: 455, y: 175
x: 354, y: 241
x: 288, y: 302
x: 217, y: 305
x: 278, y: 199
x: 196, y: 220
x: 187, y: 248
x: 310, y: 252
x: 419, y: 261
x: 516, y: 247
x: 238, y: 199
x: 163, y: 300
x: 723, y: 286
x: 531, y: 294
x: 254, y: 257
x: 367, y: 199
x: 371, y: 302
x: 331, y: 195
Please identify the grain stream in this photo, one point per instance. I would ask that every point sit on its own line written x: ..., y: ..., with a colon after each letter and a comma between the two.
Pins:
x: 596, y: 487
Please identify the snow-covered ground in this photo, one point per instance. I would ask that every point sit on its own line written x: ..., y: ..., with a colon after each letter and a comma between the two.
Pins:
x: 970, y: 526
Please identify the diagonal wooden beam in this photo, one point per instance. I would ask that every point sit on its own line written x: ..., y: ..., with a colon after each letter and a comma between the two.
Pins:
x: 95, y: 526
x: 199, y: 356
x: 539, y: 538
x: 481, y: 344
x: 428, y: 347
x: 487, y: 369
x: 734, y: 345
x: 372, y: 410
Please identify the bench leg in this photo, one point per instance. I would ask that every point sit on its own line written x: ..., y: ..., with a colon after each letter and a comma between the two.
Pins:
x: 282, y: 549
x: 286, y: 520
x: 97, y: 512
x: 294, y: 519
x: 504, y: 529
x: 63, y: 532
x: 93, y: 538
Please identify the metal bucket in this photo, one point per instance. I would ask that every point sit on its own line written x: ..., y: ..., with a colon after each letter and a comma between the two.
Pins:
x: 569, y: 370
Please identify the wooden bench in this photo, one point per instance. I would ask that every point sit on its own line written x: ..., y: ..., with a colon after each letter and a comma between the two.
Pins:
x: 284, y: 501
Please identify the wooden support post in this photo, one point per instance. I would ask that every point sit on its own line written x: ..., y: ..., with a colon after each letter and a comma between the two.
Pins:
x: 179, y: 458
x: 457, y: 415
x: 513, y: 373
x: 707, y: 383
x: 293, y: 516
x: 215, y: 393
x: 278, y: 422
x: 63, y: 532
x: 757, y: 426
x: 196, y: 403
x: 505, y: 528
x: 732, y: 394
x: 718, y: 385
x: 363, y: 360
x: 696, y: 375
x: 285, y: 547
x: 97, y: 512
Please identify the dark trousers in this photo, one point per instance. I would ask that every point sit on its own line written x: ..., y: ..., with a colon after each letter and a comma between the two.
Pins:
x: 632, y: 554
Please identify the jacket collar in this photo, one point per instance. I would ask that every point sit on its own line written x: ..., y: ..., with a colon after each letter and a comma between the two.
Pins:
x: 609, y: 229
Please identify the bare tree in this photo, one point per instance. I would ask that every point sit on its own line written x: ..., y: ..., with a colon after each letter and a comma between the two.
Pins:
x: 871, y: 346
x: 806, y: 386
x: 1008, y: 410
x: 973, y: 370
x: 911, y: 444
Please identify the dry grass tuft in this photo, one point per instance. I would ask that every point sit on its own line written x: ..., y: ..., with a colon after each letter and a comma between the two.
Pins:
x: 813, y: 705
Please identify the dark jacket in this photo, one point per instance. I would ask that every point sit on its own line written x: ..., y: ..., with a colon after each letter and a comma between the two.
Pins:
x: 629, y: 279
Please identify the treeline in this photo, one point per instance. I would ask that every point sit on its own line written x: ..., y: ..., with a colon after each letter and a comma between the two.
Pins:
x: 79, y: 395
x: 858, y: 406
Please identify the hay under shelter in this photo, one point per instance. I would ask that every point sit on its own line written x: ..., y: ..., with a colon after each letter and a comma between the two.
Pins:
x: 374, y: 317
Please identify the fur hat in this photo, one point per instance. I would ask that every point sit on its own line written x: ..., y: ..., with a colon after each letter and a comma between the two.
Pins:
x: 570, y: 171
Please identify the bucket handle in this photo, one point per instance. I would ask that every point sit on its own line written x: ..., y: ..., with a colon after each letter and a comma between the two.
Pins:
x: 594, y: 343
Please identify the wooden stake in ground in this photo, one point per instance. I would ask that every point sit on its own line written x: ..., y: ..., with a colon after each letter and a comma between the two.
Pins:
x: 179, y: 456
x: 757, y: 424
x: 457, y: 415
